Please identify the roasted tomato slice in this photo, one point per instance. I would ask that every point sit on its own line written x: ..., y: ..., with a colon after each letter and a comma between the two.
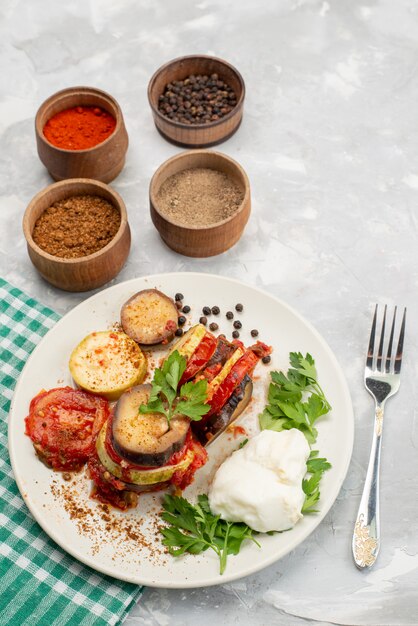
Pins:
x: 243, y: 366
x: 63, y: 424
x: 183, y: 478
x: 200, y: 357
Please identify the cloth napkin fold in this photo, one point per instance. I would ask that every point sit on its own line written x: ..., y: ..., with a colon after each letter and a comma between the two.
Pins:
x: 40, y: 584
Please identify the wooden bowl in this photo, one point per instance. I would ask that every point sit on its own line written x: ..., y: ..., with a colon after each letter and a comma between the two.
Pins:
x: 83, y: 273
x: 200, y: 241
x: 196, y: 135
x: 102, y: 162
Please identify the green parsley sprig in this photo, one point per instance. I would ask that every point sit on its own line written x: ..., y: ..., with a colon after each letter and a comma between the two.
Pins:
x: 296, y: 400
x: 194, y: 529
x: 165, y: 397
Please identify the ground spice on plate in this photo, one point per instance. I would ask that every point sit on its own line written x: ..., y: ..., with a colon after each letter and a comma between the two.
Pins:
x: 77, y: 226
x: 79, y: 128
x: 199, y: 197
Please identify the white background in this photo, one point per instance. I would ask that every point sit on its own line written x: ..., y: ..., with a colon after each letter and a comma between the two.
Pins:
x: 329, y: 141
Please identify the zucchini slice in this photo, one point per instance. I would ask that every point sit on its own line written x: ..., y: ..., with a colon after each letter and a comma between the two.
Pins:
x: 107, y: 363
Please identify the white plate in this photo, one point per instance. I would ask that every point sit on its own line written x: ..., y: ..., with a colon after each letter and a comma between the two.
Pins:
x: 142, y: 560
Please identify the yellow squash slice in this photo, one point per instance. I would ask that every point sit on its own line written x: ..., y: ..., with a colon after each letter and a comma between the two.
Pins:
x: 108, y: 363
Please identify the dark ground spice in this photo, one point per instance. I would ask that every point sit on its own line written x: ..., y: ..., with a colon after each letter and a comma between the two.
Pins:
x: 77, y: 226
x: 199, y: 197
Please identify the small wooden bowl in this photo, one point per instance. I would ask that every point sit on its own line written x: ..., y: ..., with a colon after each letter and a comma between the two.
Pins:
x: 196, y: 135
x: 83, y: 273
x: 200, y: 241
x: 102, y: 162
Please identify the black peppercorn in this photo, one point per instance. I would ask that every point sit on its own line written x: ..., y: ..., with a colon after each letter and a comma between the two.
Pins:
x: 197, y: 99
x: 216, y: 310
x: 229, y: 315
x: 178, y: 296
x: 254, y: 333
x: 266, y: 359
x: 179, y: 332
x: 235, y: 334
x: 181, y: 320
x: 186, y: 309
x: 206, y: 310
x: 203, y: 320
x: 213, y: 326
x: 237, y: 324
x: 239, y: 307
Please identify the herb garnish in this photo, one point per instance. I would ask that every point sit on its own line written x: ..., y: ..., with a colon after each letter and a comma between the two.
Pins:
x: 194, y: 529
x: 297, y: 401
x: 165, y: 397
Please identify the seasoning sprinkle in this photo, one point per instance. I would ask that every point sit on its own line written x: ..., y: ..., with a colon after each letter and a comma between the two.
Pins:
x: 199, y: 197
x: 76, y: 226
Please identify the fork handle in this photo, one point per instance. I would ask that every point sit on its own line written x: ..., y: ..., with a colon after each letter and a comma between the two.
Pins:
x: 366, y: 536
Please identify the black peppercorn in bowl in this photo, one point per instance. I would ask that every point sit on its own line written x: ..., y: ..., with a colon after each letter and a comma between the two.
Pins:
x: 197, y: 101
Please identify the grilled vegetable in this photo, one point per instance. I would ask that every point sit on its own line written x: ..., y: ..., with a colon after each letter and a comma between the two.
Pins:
x: 145, y: 438
x: 63, y: 424
x: 149, y: 317
x: 197, y: 346
x: 231, y: 375
x: 215, y: 425
x: 107, y: 363
x: 138, y: 476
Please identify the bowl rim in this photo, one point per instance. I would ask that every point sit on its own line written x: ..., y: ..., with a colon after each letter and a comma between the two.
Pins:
x: 118, y: 201
x: 68, y: 91
x: 225, y: 118
x: 204, y: 227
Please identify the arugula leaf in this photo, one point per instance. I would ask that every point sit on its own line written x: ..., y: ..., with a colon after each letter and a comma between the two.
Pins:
x: 164, y: 392
x: 195, y: 529
x: 296, y: 400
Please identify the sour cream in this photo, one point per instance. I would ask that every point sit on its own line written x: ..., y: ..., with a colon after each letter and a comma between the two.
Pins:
x: 261, y: 484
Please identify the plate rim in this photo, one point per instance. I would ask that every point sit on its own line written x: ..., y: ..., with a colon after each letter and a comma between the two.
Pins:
x: 225, y: 578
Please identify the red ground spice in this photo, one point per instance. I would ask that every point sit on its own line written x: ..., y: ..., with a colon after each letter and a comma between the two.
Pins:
x: 79, y: 128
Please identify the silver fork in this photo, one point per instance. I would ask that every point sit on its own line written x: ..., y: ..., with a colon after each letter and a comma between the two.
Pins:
x: 382, y: 380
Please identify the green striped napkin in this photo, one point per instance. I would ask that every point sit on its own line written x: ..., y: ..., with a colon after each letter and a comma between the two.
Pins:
x: 40, y: 584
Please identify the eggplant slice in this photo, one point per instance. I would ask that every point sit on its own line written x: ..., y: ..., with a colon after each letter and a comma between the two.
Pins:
x: 231, y: 410
x: 145, y: 439
x: 149, y: 317
x: 223, y: 351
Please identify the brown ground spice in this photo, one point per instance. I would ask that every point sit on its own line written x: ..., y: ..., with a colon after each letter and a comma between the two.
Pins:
x: 199, y: 197
x: 77, y: 226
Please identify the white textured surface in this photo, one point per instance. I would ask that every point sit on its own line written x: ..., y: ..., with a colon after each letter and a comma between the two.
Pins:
x: 330, y: 142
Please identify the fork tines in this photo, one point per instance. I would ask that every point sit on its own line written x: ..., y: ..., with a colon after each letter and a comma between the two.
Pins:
x: 392, y: 364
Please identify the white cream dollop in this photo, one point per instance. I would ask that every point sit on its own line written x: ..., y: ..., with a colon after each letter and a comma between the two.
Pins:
x: 261, y: 484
